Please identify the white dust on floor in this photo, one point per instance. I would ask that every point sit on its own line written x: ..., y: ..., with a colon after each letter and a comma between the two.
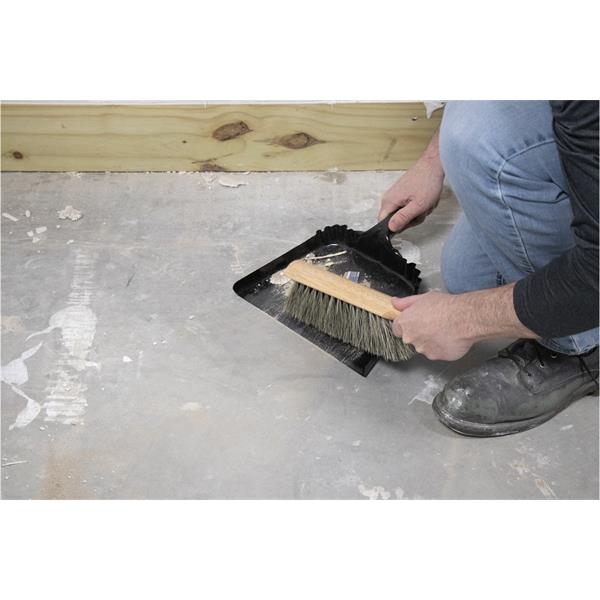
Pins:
x: 409, y: 251
x: 433, y: 385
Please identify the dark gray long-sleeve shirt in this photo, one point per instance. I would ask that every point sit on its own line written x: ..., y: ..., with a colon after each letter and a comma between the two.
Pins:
x: 562, y: 297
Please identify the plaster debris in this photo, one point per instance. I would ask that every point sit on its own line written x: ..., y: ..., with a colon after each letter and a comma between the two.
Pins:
x: 28, y: 213
x: 279, y: 278
x: 10, y: 217
x: 566, y: 427
x: 375, y: 493
x: 14, y: 462
x: 42, y: 229
x: 70, y: 242
x: 127, y: 359
x: 357, y: 443
x: 433, y: 385
x: 399, y: 493
x: 231, y: 181
x: 190, y: 406
x: 30, y: 233
x: 68, y: 212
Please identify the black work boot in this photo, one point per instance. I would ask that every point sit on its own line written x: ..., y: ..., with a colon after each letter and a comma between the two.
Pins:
x: 524, y: 386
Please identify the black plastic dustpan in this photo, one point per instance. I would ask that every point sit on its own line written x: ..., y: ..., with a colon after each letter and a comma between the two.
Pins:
x: 364, y: 257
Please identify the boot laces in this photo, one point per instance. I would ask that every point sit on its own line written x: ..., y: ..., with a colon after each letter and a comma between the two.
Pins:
x: 524, y: 352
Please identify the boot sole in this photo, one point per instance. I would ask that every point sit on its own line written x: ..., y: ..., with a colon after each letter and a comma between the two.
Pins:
x: 474, y: 429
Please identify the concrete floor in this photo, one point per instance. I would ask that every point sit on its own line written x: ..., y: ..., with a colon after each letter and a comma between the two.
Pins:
x: 154, y: 380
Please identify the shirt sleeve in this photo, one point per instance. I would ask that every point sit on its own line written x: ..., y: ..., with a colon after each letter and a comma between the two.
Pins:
x: 562, y: 298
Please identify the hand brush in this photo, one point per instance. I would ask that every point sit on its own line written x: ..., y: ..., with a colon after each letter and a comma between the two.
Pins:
x: 345, y: 310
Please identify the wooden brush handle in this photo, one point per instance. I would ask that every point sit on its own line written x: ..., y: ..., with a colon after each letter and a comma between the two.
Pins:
x: 334, y: 285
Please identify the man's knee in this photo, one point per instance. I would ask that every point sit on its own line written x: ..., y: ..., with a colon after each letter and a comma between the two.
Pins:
x: 469, y: 144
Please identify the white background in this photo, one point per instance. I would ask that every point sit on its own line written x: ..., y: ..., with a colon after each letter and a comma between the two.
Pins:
x: 291, y: 51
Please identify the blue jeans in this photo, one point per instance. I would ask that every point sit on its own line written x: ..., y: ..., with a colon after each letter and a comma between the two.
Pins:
x: 501, y: 160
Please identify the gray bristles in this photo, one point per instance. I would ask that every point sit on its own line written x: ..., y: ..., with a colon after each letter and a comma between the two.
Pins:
x: 346, y: 322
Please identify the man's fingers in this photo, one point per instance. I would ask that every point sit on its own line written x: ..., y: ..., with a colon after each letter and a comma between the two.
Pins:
x: 404, y: 216
x: 387, y: 207
x: 384, y: 211
x: 403, y: 303
x: 397, y: 328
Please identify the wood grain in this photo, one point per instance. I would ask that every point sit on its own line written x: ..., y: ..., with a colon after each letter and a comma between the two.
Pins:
x: 319, y: 278
x: 247, y: 137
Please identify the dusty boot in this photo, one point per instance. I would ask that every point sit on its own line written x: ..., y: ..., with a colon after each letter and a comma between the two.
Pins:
x: 524, y: 386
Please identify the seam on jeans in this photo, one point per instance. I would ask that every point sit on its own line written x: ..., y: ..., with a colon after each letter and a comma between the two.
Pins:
x: 532, y: 147
x: 526, y: 263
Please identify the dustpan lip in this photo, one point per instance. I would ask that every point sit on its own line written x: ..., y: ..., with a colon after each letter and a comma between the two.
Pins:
x: 383, y: 252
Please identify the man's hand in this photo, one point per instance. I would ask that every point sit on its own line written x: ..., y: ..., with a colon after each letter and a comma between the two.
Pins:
x: 445, y: 326
x: 417, y: 192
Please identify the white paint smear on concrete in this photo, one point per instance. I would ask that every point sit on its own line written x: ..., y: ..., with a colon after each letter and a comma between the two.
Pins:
x: 433, y: 385
x: 15, y: 374
x: 65, y: 392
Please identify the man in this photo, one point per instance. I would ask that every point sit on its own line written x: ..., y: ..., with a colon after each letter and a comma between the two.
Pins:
x: 522, y: 260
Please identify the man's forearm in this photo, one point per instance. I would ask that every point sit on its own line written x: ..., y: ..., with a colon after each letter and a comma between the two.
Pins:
x: 444, y: 326
x: 431, y: 155
x: 491, y: 314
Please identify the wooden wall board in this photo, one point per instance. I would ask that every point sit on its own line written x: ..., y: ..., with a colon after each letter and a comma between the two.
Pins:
x: 211, y: 137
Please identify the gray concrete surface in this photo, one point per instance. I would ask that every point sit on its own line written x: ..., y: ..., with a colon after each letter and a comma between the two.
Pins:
x: 154, y: 380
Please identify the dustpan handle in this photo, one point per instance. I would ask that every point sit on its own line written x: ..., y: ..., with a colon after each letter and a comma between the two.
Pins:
x: 382, y: 228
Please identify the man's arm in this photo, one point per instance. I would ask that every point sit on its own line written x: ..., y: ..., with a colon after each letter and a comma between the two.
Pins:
x: 445, y: 326
x: 562, y: 298
x: 417, y: 192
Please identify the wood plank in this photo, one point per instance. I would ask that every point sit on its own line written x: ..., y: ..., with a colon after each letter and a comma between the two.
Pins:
x: 242, y: 137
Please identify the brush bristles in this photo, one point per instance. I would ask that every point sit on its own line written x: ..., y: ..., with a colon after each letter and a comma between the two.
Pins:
x: 346, y: 322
